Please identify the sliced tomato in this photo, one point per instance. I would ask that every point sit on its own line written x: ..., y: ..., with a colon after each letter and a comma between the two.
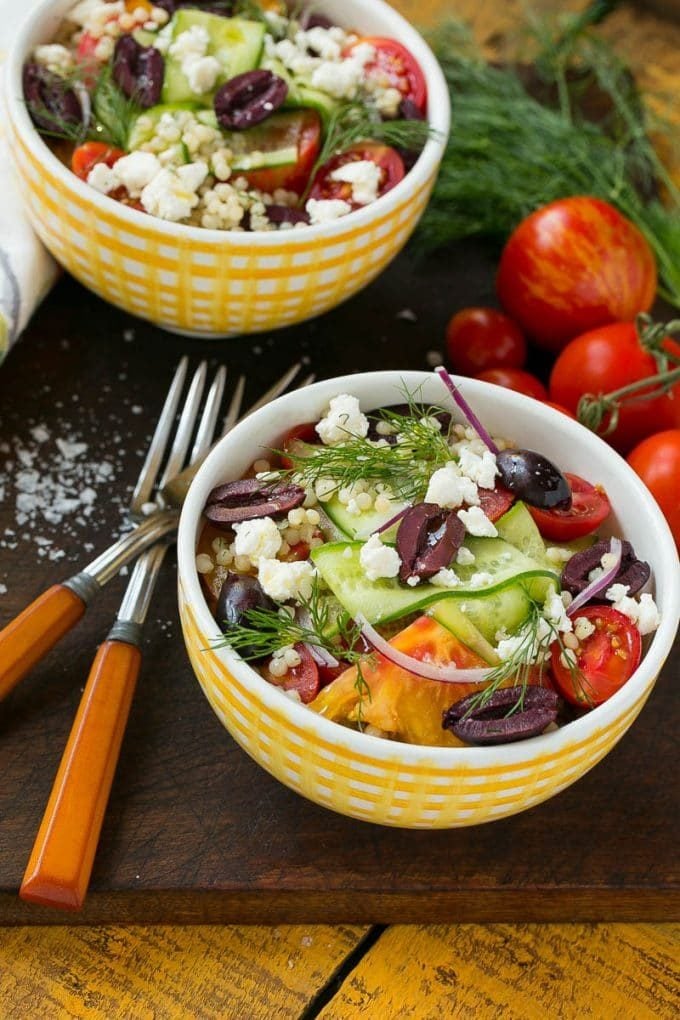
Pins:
x: 590, y: 506
x: 86, y: 156
x: 390, y: 162
x: 295, y: 441
x: 394, y: 67
x: 604, y: 661
x: 495, y: 502
x: 299, y: 128
x: 303, y: 678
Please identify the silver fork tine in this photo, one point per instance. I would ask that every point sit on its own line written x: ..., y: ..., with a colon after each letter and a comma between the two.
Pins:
x: 154, y: 456
x: 234, y: 411
x: 186, y: 425
x: 206, y: 428
x: 307, y: 381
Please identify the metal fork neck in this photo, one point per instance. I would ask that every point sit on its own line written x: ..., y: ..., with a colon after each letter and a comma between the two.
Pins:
x: 129, y: 546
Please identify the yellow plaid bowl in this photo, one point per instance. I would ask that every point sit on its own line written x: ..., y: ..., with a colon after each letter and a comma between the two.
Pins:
x: 207, y: 282
x: 401, y: 784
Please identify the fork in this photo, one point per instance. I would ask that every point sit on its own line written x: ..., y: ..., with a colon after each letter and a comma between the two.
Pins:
x: 28, y: 638
x: 60, y: 865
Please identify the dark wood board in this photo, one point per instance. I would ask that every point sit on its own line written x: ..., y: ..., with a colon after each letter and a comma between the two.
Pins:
x: 196, y: 831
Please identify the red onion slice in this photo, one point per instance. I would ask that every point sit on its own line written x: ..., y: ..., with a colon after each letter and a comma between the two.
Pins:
x: 466, y: 409
x: 426, y: 670
x: 600, y: 583
x: 320, y: 655
x: 393, y: 520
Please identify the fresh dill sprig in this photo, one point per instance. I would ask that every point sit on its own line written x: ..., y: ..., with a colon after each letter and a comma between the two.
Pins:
x: 114, y: 112
x: 404, y: 467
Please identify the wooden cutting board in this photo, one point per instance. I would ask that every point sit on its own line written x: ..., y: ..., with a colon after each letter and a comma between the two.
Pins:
x: 196, y: 831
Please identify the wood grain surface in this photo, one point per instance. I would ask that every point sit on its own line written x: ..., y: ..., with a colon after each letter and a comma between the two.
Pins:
x: 604, y: 971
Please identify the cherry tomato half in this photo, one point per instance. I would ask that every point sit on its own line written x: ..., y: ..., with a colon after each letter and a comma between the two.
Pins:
x: 481, y: 338
x: 657, y: 461
x: 86, y: 156
x: 515, y: 379
x: 303, y: 678
x: 607, y: 359
x: 390, y: 162
x: 589, y: 508
x: 575, y: 264
x: 495, y: 502
x: 605, y: 660
x: 394, y: 67
x: 299, y: 128
x: 295, y: 441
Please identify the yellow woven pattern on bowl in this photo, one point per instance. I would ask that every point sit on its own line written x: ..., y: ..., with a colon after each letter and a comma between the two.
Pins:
x: 189, y: 284
x: 426, y: 795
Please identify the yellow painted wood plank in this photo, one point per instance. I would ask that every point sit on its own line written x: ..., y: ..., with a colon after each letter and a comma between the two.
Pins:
x: 517, y: 972
x: 153, y: 973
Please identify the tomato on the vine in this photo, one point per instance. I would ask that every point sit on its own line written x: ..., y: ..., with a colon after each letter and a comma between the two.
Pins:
x: 481, y: 338
x: 388, y: 160
x: 394, y: 67
x: 657, y: 461
x: 575, y: 264
x: 559, y: 407
x: 602, y: 663
x: 607, y: 359
x: 590, y: 506
x: 515, y: 379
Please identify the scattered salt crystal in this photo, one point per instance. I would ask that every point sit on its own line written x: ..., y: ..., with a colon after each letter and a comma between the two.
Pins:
x: 408, y: 314
x: 136, y: 409
x: 128, y: 335
x: 3, y: 589
x: 40, y: 434
x: 71, y: 450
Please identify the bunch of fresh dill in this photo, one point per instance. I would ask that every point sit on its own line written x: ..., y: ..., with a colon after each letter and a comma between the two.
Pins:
x: 510, y: 153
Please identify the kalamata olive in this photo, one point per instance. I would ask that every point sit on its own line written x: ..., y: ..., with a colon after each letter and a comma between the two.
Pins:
x: 52, y: 104
x: 406, y: 411
x: 248, y: 99
x: 427, y: 540
x: 534, y: 479
x: 632, y: 572
x: 492, y: 723
x: 286, y: 214
x: 138, y: 71
x: 240, y: 592
x: 250, y: 498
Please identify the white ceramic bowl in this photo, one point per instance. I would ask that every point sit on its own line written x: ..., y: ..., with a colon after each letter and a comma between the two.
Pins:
x: 217, y: 283
x: 401, y: 784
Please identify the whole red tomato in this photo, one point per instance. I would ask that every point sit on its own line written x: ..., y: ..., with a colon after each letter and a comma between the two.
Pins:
x: 657, y: 461
x: 515, y: 379
x: 480, y: 338
x: 575, y: 264
x: 607, y: 359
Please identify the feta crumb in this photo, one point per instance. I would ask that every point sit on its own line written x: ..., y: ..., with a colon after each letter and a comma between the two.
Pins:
x: 103, y: 178
x: 364, y: 175
x: 556, y: 614
x: 583, y: 628
x: 449, y: 488
x: 617, y: 592
x: 644, y: 614
x: 465, y: 556
x: 477, y: 523
x: 482, y: 470
x: 338, y: 80
x: 557, y: 555
x: 445, y: 578
x: 202, y: 73
x: 171, y: 195
x: 54, y: 57
x: 481, y: 579
x: 286, y: 581
x: 379, y: 560
x: 137, y: 170
x: 326, y: 210
x: 342, y: 420
x: 257, y: 539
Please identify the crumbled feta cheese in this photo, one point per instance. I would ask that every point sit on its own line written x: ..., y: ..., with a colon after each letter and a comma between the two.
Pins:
x: 137, y: 170
x: 465, y: 556
x: 338, y: 80
x: 644, y: 614
x: 342, y: 420
x: 481, y: 579
x: 322, y: 41
x: 557, y: 555
x: 171, y: 195
x: 527, y: 645
x: 54, y: 57
x: 477, y: 523
x: 190, y: 44
x: 387, y: 101
x: 202, y: 74
x: 583, y: 628
x: 286, y: 581
x: 364, y: 53
x: 555, y: 613
x: 608, y: 560
x: 445, y: 578
x: 379, y: 560
x: 617, y: 592
x: 257, y: 539
x: 482, y: 470
x: 190, y: 48
x: 449, y: 488
x: 364, y: 175
x: 326, y: 210
x: 103, y: 178
x: 293, y: 57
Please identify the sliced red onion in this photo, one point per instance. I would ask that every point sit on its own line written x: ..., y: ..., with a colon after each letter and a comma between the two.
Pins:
x: 393, y: 520
x: 320, y: 655
x: 466, y: 409
x: 426, y: 670
x: 600, y: 583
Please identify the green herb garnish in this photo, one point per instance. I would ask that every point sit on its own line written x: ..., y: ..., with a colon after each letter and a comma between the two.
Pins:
x: 114, y: 112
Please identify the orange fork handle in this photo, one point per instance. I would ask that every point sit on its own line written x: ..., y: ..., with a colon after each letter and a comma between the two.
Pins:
x: 58, y: 872
x: 29, y: 637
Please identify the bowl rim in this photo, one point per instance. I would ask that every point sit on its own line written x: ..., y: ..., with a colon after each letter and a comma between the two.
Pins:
x: 413, y: 754
x: 439, y: 117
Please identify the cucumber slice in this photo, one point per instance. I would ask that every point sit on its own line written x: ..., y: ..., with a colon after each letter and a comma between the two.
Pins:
x: 300, y: 93
x: 263, y: 160
x: 144, y: 126
x: 504, y: 603
x: 360, y: 526
x: 236, y: 43
x: 518, y: 527
x: 449, y: 614
x: 144, y: 37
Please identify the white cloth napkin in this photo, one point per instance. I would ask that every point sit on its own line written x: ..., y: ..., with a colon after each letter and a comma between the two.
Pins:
x: 27, y: 271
